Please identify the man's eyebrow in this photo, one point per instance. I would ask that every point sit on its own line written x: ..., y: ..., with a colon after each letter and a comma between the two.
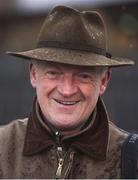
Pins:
x: 50, y: 65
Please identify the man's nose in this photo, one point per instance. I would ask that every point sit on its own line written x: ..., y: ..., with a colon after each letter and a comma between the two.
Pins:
x: 67, y: 86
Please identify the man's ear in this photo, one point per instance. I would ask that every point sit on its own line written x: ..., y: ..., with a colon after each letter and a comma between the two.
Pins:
x: 105, y: 81
x: 32, y: 72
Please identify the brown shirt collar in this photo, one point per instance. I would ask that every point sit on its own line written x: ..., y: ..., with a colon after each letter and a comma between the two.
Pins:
x: 91, y: 140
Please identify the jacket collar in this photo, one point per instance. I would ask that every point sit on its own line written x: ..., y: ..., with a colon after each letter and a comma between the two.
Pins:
x: 40, y: 137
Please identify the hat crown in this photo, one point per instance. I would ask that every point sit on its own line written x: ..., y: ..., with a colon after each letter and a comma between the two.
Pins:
x: 73, y: 37
x: 67, y: 25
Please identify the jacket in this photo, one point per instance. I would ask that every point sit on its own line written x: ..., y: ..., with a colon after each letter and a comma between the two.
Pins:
x: 29, y: 148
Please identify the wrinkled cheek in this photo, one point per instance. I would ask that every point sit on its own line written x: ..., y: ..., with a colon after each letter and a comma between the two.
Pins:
x: 41, y: 96
x: 92, y: 99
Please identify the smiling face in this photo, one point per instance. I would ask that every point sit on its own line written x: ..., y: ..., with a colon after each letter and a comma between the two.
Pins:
x: 67, y: 94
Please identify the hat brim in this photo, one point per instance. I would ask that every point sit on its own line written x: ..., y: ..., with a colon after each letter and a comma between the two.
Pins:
x: 74, y: 57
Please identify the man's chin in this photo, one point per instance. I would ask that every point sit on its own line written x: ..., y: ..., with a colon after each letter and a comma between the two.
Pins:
x: 62, y: 124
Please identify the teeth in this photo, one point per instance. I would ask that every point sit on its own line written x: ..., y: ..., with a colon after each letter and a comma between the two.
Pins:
x: 67, y: 102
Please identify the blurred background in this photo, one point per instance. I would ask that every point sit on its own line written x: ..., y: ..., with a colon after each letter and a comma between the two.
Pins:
x: 20, y: 21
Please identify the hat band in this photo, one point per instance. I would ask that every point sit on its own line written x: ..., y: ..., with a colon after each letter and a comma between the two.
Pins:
x: 66, y: 45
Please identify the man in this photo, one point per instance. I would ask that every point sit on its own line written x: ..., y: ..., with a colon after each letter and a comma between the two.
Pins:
x: 68, y: 133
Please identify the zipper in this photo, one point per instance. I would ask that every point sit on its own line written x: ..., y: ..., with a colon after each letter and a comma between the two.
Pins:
x: 60, y: 156
x: 59, y: 169
x: 60, y: 162
x: 58, y: 140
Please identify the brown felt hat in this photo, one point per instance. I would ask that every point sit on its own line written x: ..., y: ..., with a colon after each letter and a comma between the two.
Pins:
x: 73, y: 37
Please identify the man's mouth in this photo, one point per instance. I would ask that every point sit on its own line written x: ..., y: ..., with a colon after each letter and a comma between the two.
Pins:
x: 67, y: 103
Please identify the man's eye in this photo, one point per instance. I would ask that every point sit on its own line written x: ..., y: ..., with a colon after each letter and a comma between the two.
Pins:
x: 85, y: 78
x: 52, y: 74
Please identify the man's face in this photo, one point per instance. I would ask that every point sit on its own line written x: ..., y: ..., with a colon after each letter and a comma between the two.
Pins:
x: 67, y: 94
